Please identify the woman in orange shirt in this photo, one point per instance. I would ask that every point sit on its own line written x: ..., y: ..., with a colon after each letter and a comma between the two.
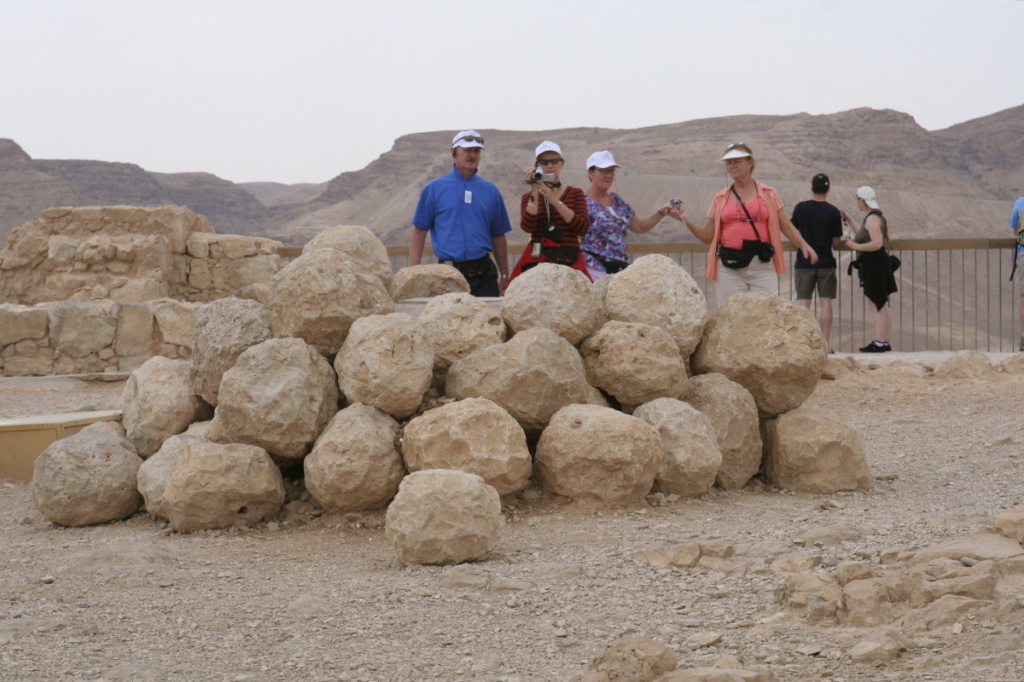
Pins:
x: 744, y: 228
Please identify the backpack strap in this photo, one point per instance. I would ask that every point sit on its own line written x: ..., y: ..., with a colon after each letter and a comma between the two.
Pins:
x: 885, y: 228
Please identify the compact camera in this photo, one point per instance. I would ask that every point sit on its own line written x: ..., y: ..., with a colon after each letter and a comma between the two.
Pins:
x: 553, y: 232
x: 675, y: 203
x: 765, y: 252
x: 538, y: 175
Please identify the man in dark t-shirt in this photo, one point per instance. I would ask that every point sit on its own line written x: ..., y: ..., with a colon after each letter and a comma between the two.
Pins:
x: 821, y: 226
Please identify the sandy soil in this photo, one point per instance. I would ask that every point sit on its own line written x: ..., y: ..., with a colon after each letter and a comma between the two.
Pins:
x: 315, y: 596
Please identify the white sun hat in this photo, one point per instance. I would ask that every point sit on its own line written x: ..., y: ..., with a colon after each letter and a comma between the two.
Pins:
x: 602, y: 159
x: 547, y: 146
x: 737, y: 150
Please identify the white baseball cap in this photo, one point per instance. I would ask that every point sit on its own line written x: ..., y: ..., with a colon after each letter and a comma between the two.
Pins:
x: 602, y: 159
x: 468, y: 138
x: 547, y: 146
x: 868, y: 195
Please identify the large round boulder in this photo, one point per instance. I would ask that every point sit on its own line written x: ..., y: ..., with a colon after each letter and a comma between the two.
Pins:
x: 814, y: 450
x: 156, y: 471
x: 360, y: 247
x: 158, y: 403
x: 692, y: 457
x: 472, y: 435
x: 733, y: 415
x: 457, y: 324
x: 385, y: 362
x: 770, y: 346
x: 88, y: 477
x: 443, y: 516
x: 427, y: 281
x: 555, y: 297
x: 320, y: 294
x: 279, y: 396
x: 213, y: 485
x: 597, y: 453
x: 354, y: 464
x: 224, y: 328
x: 532, y: 376
x: 655, y: 290
x: 634, y: 363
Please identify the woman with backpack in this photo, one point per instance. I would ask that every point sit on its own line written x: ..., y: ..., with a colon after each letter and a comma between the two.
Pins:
x: 874, y: 266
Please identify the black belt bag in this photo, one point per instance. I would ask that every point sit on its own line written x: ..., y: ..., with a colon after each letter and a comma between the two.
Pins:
x: 739, y: 258
x: 471, y: 268
x: 563, y: 255
x: 611, y: 266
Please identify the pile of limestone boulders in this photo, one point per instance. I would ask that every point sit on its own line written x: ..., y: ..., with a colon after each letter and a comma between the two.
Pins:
x: 585, y: 389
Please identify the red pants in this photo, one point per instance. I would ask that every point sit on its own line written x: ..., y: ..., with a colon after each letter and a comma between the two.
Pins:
x: 527, y: 260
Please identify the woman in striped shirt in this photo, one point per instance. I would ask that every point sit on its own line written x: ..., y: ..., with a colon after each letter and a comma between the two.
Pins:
x: 554, y: 215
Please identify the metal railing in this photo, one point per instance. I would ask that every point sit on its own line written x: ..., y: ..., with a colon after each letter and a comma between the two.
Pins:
x: 954, y: 294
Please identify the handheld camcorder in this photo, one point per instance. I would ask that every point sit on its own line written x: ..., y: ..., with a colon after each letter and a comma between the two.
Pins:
x: 538, y: 175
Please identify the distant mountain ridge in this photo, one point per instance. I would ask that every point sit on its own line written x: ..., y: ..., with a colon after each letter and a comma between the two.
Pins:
x: 957, y: 182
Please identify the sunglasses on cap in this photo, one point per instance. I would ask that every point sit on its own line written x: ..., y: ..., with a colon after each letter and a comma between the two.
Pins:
x: 470, y: 138
x: 549, y: 162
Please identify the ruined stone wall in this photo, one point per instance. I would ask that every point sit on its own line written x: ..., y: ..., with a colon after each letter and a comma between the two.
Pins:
x: 74, y: 337
x: 127, y: 254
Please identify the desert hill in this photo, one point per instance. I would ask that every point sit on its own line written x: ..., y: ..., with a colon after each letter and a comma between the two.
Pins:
x: 28, y: 186
x: 957, y: 182
x: 951, y: 183
x: 276, y: 195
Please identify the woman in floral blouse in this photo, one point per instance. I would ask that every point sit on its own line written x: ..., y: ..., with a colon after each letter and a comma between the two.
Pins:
x: 604, y: 245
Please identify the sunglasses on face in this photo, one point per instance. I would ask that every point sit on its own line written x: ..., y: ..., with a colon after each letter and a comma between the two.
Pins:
x: 549, y: 162
x: 606, y: 171
x: 470, y: 138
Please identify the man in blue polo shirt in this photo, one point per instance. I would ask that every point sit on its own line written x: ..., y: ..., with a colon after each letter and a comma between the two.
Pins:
x: 466, y: 218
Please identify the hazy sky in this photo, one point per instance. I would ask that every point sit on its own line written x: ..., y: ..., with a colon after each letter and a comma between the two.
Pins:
x: 301, y: 90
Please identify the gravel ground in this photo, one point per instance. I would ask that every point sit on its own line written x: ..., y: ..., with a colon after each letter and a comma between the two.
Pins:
x: 318, y: 596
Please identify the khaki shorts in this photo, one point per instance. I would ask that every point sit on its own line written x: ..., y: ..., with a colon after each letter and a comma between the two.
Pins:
x: 807, y: 279
x: 1018, y: 276
x: 757, y: 276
